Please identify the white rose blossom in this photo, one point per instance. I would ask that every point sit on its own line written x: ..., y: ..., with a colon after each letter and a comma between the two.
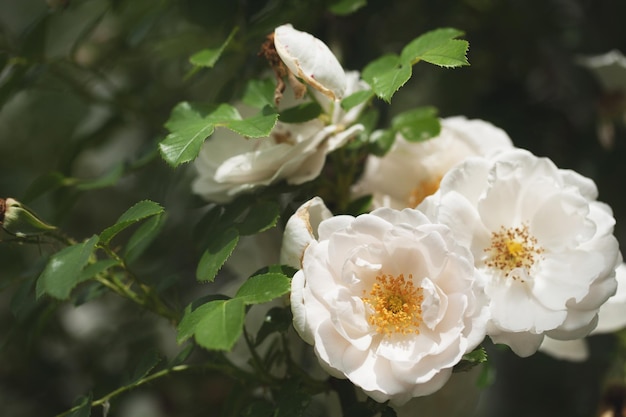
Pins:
x: 229, y: 164
x: 388, y: 299
x: 411, y: 171
x: 311, y: 60
x: 542, y: 240
x: 611, y: 318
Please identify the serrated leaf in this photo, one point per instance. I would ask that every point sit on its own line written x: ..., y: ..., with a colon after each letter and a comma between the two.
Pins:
x: 437, y: 47
x: 263, y: 288
x: 346, y: 7
x: 259, y: 93
x: 221, y: 325
x: 257, y: 126
x: 63, y: 270
x: 472, y: 359
x: 139, y: 211
x: 262, y: 216
x: 187, y: 326
x: 216, y: 255
x: 355, y: 99
x: 386, y: 75
x: 301, y: 113
x: 208, y: 57
x: 143, y: 236
x: 189, y: 126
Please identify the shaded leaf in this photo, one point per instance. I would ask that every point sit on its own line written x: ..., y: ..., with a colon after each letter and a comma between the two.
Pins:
x: 259, y: 93
x: 437, y: 47
x: 208, y: 57
x: 221, y: 325
x: 107, y: 180
x: 139, y: 211
x: 216, y: 255
x: 277, y: 319
x: 301, y: 113
x: 470, y: 360
x: 148, y: 361
x: 84, y: 407
x: 262, y: 216
x: 263, y: 288
x: 63, y: 271
x: 418, y: 124
x: 381, y: 141
x: 346, y: 7
x: 143, y: 236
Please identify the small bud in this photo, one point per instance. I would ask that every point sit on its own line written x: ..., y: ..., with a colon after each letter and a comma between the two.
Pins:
x: 19, y: 220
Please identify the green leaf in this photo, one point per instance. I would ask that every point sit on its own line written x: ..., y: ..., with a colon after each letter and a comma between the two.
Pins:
x: 386, y: 75
x: 359, y: 206
x: 259, y: 93
x: 418, y: 124
x: 148, y: 361
x: 43, y: 184
x: 301, y: 113
x: 216, y: 255
x: 84, y: 407
x: 107, y: 180
x: 277, y: 319
x: 263, y: 288
x: 381, y: 141
x: 346, y: 7
x: 189, y: 126
x: 262, y: 216
x: 257, y: 126
x: 187, y: 326
x: 96, y: 268
x: 437, y: 47
x: 472, y: 359
x: 63, y: 271
x: 143, y: 236
x: 355, y: 99
x: 221, y: 325
x: 139, y: 211
x: 208, y: 57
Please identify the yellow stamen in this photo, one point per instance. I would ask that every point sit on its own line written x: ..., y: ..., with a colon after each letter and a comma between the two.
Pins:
x: 396, y: 305
x: 513, y: 248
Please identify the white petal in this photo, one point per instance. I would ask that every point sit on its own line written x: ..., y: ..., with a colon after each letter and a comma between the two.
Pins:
x: 301, y: 230
x: 310, y: 59
x: 571, y: 350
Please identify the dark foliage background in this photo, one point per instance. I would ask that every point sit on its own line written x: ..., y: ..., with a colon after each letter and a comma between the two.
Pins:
x: 85, y: 85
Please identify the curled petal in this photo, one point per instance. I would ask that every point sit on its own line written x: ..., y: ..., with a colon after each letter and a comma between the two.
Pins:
x: 310, y: 59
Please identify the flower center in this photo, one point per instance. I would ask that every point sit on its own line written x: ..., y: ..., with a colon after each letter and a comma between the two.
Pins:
x: 396, y: 305
x: 513, y: 248
x: 423, y: 190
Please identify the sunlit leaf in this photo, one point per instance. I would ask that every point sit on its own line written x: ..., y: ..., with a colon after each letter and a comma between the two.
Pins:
x: 259, y: 93
x: 216, y: 254
x: 139, y: 211
x: 221, y: 325
x: 63, y: 271
x: 386, y: 75
x: 263, y: 288
x: 189, y: 126
x: 418, y: 124
x: 256, y: 126
x: 355, y: 99
x: 437, y: 47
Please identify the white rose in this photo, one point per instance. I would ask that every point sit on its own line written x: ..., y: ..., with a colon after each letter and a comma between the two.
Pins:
x: 541, y: 238
x: 229, y: 164
x: 411, y: 171
x: 311, y: 60
x: 388, y: 299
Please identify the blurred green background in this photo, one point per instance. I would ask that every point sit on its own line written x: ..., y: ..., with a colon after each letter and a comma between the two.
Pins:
x: 86, y: 86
